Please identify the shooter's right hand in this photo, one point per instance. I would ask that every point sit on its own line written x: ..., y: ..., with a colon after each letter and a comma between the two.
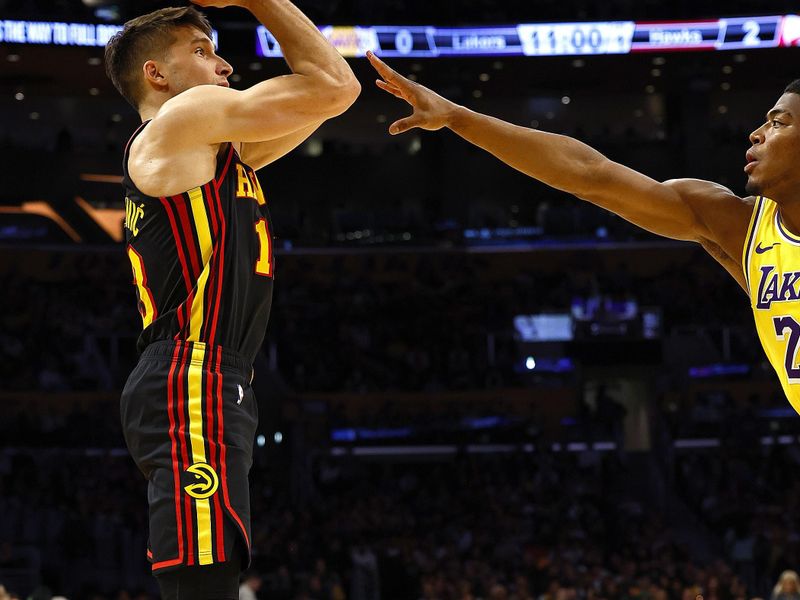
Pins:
x: 221, y: 3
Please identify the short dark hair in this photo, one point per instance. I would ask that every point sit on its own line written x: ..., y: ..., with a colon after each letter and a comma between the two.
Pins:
x: 793, y: 88
x: 143, y: 39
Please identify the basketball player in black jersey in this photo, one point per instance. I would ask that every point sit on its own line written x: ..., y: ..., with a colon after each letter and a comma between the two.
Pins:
x: 199, y: 241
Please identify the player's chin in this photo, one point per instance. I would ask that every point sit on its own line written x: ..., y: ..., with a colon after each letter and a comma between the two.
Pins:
x: 753, y: 187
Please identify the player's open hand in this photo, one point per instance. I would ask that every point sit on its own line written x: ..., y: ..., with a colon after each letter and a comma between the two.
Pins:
x: 431, y: 111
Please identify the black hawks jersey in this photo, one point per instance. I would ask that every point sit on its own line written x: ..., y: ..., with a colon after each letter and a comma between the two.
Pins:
x: 202, y: 260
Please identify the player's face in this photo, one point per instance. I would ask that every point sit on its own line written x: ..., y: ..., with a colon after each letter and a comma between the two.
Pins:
x: 775, y: 152
x: 192, y: 61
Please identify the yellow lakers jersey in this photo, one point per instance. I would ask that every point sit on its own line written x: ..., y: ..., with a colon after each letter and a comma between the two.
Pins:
x: 771, y: 260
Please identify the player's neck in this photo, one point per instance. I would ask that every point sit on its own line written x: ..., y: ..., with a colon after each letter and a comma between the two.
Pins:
x: 148, y: 112
x: 150, y: 107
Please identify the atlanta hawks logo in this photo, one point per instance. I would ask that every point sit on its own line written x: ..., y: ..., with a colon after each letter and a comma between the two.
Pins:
x: 204, y: 481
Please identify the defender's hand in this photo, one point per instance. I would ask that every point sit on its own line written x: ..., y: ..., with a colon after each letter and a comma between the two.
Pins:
x: 431, y: 111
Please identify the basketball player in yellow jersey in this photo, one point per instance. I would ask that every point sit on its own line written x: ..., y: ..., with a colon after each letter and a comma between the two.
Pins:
x: 756, y: 239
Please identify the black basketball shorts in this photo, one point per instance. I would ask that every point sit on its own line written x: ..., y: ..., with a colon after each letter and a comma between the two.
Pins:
x: 189, y: 419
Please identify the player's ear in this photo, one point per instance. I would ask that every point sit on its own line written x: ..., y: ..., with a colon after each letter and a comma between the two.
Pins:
x: 153, y: 75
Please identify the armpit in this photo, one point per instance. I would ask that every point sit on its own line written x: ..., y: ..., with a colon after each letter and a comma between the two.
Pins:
x: 714, y: 250
x: 732, y: 266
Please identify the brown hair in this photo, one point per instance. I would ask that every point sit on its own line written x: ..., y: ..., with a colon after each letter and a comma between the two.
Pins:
x: 142, y: 39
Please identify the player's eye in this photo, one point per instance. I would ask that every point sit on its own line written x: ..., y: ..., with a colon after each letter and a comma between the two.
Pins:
x: 775, y: 122
x: 200, y: 51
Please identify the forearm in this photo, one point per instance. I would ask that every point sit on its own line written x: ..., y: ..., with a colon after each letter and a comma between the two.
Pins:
x: 559, y: 161
x: 305, y: 49
x: 570, y: 165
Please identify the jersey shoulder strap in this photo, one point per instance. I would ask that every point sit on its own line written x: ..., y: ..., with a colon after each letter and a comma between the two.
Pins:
x: 752, y: 238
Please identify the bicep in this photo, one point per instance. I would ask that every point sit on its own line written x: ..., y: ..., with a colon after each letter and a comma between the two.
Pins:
x: 686, y: 209
x: 661, y: 208
x: 682, y: 209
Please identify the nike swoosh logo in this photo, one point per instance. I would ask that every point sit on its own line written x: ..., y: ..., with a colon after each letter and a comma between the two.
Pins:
x: 760, y: 250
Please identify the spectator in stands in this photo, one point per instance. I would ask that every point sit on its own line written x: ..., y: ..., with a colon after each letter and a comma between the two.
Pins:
x: 41, y: 593
x: 365, y: 582
x: 788, y: 587
x: 251, y: 583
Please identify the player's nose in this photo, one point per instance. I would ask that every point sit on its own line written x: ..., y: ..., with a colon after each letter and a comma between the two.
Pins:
x: 756, y: 136
x: 224, y: 68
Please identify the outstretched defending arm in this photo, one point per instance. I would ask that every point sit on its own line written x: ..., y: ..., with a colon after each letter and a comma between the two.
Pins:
x: 684, y: 209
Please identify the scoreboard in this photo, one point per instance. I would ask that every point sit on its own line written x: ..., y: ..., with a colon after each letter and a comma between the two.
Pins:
x: 535, y: 39
x: 722, y: 34
x: 557, y: 39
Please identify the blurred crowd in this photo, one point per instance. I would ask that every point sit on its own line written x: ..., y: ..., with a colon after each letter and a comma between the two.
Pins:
x: 746, y: 498
x: 362, y: 323
x: 529, y: 526
x: 61, y: 318
x: 425, y: 322
x: 514, y: 527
